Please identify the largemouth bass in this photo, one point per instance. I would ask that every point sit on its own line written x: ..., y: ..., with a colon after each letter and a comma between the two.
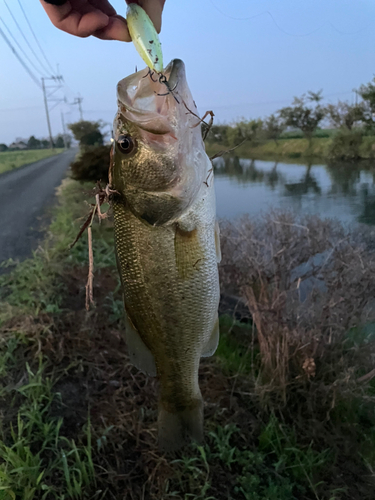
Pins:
x: 167, y: 243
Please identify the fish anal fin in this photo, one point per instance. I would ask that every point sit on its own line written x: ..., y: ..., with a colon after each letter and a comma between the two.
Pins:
x: 217, y: 242
x: 139, y: 354
x: 212, y: 343
x: 177, y: 429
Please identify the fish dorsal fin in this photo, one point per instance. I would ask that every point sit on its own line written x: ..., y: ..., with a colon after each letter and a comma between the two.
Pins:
x: 212, y: 343
x: 139, y: 354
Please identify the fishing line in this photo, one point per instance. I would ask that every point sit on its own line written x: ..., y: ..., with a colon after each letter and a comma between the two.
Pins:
x: 27, y: 42
x: 34, y: 35
x: 266, y: 103
x: 268, y: 13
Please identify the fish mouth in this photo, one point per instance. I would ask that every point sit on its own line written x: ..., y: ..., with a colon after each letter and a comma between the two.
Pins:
x: 176, y: 70
x: 154, y: 102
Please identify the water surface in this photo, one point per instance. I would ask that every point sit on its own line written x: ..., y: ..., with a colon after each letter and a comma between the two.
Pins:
x: 343, y: 191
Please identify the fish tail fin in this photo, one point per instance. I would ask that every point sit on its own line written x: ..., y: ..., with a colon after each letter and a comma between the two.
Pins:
x: 177, y: 429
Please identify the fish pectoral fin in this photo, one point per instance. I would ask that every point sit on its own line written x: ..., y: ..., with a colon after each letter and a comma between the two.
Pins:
x: 211, y: 346
x: 217, y: 242
x: 139, y: 354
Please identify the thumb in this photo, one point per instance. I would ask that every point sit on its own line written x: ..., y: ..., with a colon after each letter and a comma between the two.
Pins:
x: 154, y: 9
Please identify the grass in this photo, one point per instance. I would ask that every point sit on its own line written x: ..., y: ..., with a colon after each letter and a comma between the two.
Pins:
x: 285, y: 148
x: 235, y: 350
x: 10, y: 160
x: 253, y: 475
x: 292, y: 148
x: 36, y: 461
x: 79, y: 421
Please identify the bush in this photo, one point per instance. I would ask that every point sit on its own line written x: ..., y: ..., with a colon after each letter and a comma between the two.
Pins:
x: 345, y: 145
x: 92, y: 165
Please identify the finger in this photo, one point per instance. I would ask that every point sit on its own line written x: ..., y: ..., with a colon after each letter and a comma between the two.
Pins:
x: 117, y: 29
x: 102, y: 5
x: 154, y: 9
x: 81, y: 23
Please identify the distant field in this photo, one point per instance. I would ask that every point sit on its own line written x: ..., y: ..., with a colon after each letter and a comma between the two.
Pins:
x: 15, y: 159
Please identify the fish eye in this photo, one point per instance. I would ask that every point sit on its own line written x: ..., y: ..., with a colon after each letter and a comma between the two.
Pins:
x: 126, y: 144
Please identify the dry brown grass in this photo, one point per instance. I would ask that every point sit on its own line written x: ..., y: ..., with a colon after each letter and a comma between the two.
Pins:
x: 308, y: 283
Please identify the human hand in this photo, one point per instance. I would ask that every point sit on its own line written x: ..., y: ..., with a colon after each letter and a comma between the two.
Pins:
x: 97, y: 17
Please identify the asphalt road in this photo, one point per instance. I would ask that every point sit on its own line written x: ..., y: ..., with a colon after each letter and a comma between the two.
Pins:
x: 26, y: 195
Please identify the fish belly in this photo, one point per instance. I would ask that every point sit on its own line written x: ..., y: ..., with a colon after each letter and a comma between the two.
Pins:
x: 171, y: 293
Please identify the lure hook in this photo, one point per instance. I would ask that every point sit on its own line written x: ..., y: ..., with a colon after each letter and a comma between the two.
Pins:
x: 164, y: 81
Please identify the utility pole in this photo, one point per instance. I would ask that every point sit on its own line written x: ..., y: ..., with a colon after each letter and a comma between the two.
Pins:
x: 47, y: 114
x: 78, y: 100
x: 48, y: 91
x: 64, y: 131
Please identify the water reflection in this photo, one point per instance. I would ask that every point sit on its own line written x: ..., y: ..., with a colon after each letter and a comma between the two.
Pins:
x: 368, y: 211
x: 245, y: 171
x: 307, y: 183
x: 343, y: 191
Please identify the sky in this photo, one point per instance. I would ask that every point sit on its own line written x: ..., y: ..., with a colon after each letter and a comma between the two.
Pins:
x: 244, y: 58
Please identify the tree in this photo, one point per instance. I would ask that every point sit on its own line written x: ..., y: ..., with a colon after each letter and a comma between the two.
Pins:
x: 3, y: 147
x: 33, y: 143
x: 217, y: 133
x: 305, y: 113
x: 273, y: 127
x: 367, y: 92
x: 344, y: 115
x: 59, y: 141
x: 346, y: 145
x: 245, y: 130
x: 87, y: 133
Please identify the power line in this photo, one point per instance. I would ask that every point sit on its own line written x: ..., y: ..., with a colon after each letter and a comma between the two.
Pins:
x: 34, y: 35
x: 20, y: 59
x: 5, y: 110
x: 24, y: 37
x: 19, y: 46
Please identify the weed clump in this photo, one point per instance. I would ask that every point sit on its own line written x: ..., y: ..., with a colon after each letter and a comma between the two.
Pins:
x: 92, y: 165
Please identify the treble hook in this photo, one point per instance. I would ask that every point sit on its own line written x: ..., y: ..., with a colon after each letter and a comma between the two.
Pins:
x: 164, y: 81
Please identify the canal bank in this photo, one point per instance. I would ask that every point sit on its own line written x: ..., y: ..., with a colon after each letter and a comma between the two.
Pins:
x: 286, y: 149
